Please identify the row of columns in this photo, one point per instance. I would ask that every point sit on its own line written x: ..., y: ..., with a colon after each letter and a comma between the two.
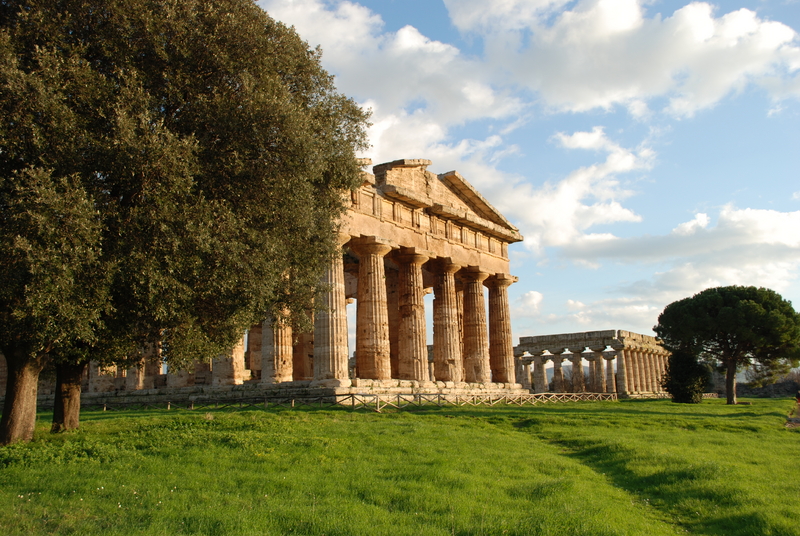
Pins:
x: 638, y: 371
x: 644, y: 369
x: 466, y: 348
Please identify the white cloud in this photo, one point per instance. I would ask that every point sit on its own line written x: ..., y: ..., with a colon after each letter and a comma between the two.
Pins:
x: 796, y: 196
x: 558, y: 214
x: 528, y: 304
x: 600, y: 53
x: 700, y: 221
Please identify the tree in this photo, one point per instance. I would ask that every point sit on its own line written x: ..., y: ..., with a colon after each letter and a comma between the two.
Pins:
x: 735, y: 327
x: 686, y: 379
x: 170, y: 170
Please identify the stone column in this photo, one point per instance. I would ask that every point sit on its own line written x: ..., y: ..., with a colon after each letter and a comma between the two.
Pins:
x: 648, y: 371
x: 254, y: 350
x: 229, y: 369
x: 641, y: 379
x: 599, y: 370
x: 134, y: 379
x: 277, y: 353
x: 659, y: 370
x: 578, y: 385
x: 460, y: 306
x: 558, y: 372
x: 412, y: 343
x: 611, y: 385
x: 303, y: 356
x: 540, y: 374
x: 622, y: 373
x: 476, y: 341
x: 153, y: 364
x: 501, y: 346
x: 591, y: 383
x: 393, y: 317
x: 636, y: 369
x: 447, y: 358
x: 524, y: 376
x: 330, y: 328
x: 372, y: 320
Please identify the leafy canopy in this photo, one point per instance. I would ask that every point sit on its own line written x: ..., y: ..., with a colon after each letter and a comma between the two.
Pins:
x: 732, y: 323
x: 169, y: 169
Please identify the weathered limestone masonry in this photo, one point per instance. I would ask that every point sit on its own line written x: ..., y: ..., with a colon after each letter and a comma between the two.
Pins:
x: 408, y: 232
x: 640, y: 362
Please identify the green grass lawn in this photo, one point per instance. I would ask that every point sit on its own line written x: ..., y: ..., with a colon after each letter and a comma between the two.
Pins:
x: 599, y: 468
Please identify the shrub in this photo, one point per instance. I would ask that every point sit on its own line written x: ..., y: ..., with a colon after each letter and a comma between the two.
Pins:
x: 686, y: 379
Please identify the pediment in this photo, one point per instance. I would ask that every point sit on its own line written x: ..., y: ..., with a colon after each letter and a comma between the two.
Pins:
x: 447, y: 195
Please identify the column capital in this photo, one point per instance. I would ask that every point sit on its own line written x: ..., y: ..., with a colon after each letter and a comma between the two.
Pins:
x: 342, y: 238
x: 370, y: 245
x: 414, y: 256
x: 443, y: 265
x: 500, y: 280
x: 473, y: 274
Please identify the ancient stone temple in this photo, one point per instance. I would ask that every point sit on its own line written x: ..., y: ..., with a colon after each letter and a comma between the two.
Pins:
x: 409, y: 232
x: 640, y: 363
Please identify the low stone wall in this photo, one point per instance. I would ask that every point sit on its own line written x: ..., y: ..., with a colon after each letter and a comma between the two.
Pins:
x: 298, y: 389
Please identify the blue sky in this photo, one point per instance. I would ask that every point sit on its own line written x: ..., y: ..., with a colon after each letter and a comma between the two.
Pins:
x: 646, y: 150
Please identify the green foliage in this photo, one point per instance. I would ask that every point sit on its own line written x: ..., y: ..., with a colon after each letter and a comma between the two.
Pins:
x: 734, y: 326
x: 686, y: 379
x: 169, y: 169
x: 631, y: 467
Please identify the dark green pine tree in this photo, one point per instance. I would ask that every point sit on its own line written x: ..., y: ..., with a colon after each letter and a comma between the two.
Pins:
x: 734, y: 327
x: 170, y: 170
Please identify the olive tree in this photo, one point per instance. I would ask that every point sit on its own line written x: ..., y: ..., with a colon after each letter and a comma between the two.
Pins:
x: 170, y: 170
x: 735, y: 327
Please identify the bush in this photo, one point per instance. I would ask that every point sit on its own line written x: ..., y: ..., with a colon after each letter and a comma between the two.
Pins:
x: 686, y: 379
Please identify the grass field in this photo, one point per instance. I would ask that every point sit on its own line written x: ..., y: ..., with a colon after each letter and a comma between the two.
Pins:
x: 591, y: 468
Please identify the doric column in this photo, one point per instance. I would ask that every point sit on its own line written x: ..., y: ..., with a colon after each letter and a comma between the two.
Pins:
x: 636, y: 368
x: 254, y: 350
x: 447, y: 358
x: 412, y: 342
x: 659, y: 359
x: 134, y: 379
x: 664, y: 362
x: 393, y: 317
x: 611, y: 385
x: 649, y: 382
x: 578, y: 385
x: 524, y: 375
x: 622, y: 372
x: 330, y: 328
x: 540, y: 374
x: 476, y: 341
x: 460, y: 306
x: 599, y: 370
x: 372, y: 320
x: 558, y: 372
x: 277, y: 353
x: 501, y: 346
x: 229, y: 369
x: 591, y: 381
x: 640, y: 377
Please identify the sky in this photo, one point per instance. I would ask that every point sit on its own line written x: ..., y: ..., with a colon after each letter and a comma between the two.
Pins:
x: 646, y: 150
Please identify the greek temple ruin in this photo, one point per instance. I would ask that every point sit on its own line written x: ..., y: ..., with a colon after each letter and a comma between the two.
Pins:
x: 408, y: 233
x: 640, y: 363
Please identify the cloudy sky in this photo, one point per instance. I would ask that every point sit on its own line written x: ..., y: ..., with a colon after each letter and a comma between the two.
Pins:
x: 646, y: 149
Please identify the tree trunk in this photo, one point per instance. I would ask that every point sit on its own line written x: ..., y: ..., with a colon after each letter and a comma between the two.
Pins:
x: 19, y: 409
x: 730, y: 381
x: 67, y: 408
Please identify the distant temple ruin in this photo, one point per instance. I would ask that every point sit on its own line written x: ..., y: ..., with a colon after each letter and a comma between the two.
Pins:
x: 640, y: 363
